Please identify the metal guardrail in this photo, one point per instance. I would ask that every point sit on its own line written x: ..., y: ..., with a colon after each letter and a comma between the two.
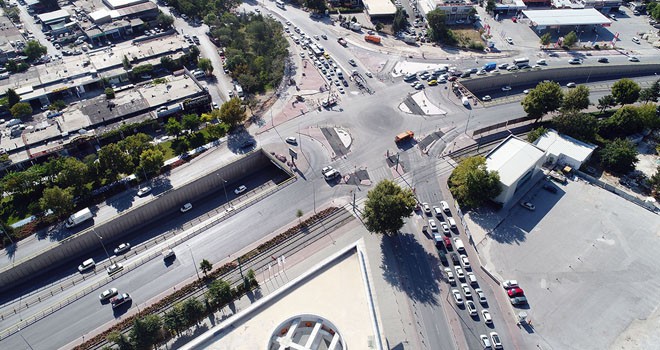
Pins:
x: 261, y: 260
x: 44, y: 313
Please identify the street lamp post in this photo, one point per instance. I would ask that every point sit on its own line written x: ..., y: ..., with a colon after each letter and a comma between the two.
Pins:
x: 103, y: 245
x: 224, y: 188
x: 194, y: 263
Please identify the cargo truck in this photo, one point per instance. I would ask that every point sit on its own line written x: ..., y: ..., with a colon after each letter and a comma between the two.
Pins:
x: 404, y: 136
x: 78, y: 217
x: 356, y: 27
x: 372, y: 39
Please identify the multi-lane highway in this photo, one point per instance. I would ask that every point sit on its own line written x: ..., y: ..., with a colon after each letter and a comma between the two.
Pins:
x: 372, y: 121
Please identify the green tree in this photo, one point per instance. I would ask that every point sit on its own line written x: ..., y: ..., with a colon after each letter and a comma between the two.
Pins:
x: 33, y: 50
x: 472, y: 184
x: 145, y: 332
x: 173, y: 320
x: 151, y: 160
x: 437, y: 21
x: 386, y: 206
x: 400, y: 21
x: 168, y: 63
x: 126, y: 63
x: 60, y: 201
x: 536, y: 133
x: 143, y: 69
x: 606, y: 102
x: 576, y: 99
x: 317, y: 6
x: 57, y: 105
x: 173, y: 127
x: 193, y: 311
x: 12, y: 97
x: 20, y: 182
x: 109, y: 93
x: 625, y: 91
x: 205, y: 266
x: 164, y: 20
x: 654, y: 181
x: 299, y: 214
x: 217, y: 131
x: 135, y: 145
x: 545, y: 97
x: 570, y: 39
x: 619, y: 156
x: 219, y: 293
x: 490, y: 6
x: 120, y: 340
x: 232, y: 112
x: 625, y: 121
x: 73, y: 173
x: 647, y: 95
x: 546, y: 38
x: 21, y: 110
x: 114, y: 161
x: 205, y: 65
x: 581, y: 126
x: 190, y: 122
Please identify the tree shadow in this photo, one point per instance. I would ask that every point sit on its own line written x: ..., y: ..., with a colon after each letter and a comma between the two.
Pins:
x: 241, y: 141
x: 407, y: 266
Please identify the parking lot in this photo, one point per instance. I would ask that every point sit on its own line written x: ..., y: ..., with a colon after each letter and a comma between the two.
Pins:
x: 587, y: 260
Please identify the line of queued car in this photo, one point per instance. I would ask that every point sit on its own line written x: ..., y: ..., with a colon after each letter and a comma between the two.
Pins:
x: 467, y: 289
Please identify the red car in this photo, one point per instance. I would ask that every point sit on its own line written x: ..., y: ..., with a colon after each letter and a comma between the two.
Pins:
x: 447, y: 243
x: 514, y: 292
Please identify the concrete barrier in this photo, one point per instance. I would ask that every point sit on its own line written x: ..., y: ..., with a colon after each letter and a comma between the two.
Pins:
x: 125, y: 223
x: 579, y: 74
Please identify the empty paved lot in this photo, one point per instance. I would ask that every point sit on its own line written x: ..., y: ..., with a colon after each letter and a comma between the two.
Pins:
x: 589, y: 262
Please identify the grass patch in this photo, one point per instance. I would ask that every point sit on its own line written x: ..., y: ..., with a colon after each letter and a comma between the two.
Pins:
x: 469, y: 38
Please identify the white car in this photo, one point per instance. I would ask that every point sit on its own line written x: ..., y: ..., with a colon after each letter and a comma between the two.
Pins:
x: 445, y: 206
x: 486, y: 316
x: 445, y: 227
x: 459, y: 273
x: 506, y: 88
x: 526, y: 91
x: 495, y: 339
x: 471, y: 308
x: 291, y: 140
x: 486, y: 98
x: 633, y: 59
x: 124, y: 247
x: 481, y: 295
x: 466, y: 290
x: 571, y: 85
x: 472, y: 278
x: 450, y: 276
x: 186, y: 207
x: 107, y: 294
x: 167, y: 253
x: 427, y: 208
x: 510, y: 284
x: 485, y: 341
x: 143, y: 191
x: 636, y: 40
x: 465, y: 262
x: 458, y: 299
x: 215, y: 105
x: 509, y: 40
x: 114, y: 268
x: 433, y: 225
x: 240, y: 189
x: 438, y: 212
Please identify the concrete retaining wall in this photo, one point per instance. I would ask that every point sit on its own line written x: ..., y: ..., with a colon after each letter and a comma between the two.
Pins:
x: 579, y: 74
x: 74, y: 248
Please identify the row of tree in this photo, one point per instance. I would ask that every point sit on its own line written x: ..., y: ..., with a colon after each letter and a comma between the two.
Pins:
x: 151, y: 330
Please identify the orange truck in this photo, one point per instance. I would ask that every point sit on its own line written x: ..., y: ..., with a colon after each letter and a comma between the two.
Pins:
x: 372, y: 39
x: 404, y: 136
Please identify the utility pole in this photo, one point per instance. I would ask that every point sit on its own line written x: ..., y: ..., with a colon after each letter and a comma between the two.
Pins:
x: 103, y: 245
x: 194, y: 263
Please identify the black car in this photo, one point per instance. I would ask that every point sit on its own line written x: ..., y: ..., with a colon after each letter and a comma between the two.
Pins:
x: 443, y: 258
x: 603, y: 60
x: 550, y: 188
x: 345, y: 82
x: 454, y: 258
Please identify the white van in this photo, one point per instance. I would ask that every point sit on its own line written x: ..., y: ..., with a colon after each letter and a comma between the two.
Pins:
x: 445, y: 206
x: 86, y: 265
x: 458, y: 243
x: 452, y: 222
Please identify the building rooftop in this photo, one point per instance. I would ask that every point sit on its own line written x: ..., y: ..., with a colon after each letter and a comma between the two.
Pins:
x: 571, y: 17
x: 115, y: 4
x: 555, y: 143
x: 512, y: 158
x: 379, y: 7
x: 54, y: 16
x: 176, y: 88
x: 333, y: 293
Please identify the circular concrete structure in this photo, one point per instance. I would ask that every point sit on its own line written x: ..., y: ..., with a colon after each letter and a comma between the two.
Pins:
x: 306, y: 332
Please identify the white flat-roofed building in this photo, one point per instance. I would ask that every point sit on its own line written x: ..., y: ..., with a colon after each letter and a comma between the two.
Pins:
x: 516, y: 161
x: 561, y: 18
x: 53, y: 17
x: 117, y: 4
x: 379, y: 8
x: 564, y: 150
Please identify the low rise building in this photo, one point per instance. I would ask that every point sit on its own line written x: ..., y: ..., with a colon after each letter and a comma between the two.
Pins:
x: 564, y: 150
x: 455, y: 10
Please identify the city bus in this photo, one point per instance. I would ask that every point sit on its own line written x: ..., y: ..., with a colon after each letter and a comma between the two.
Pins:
x: 280, y: 4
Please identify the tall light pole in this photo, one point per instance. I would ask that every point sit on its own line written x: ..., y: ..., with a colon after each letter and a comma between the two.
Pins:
x: 194, y: 263
x: 25, y: 340
x: 103, y: 245
x: 224, y: 188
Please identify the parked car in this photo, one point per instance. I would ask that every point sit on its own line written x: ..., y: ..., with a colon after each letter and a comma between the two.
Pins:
x: 495, y: 340
x: 445, y: 206
x: 455, y: 259
x: 458, y: 299
x: 459, y: 273
x: 465, y: 262
x: 486, y: 98
x: 485, y: 341
x: 143, y: 191
x: 433, y: 225
x: 481, y: 295
x: 514, y: 292
x: 518, y: 301
x: 450, y: 276
x: 509, y: 284
x: 466, y: 290
x: 603, y: 60
x: 488, y: 319
x: 427, y: 208
x: 471, y: 308
x: 122, y: 248
x: 550, y: 188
